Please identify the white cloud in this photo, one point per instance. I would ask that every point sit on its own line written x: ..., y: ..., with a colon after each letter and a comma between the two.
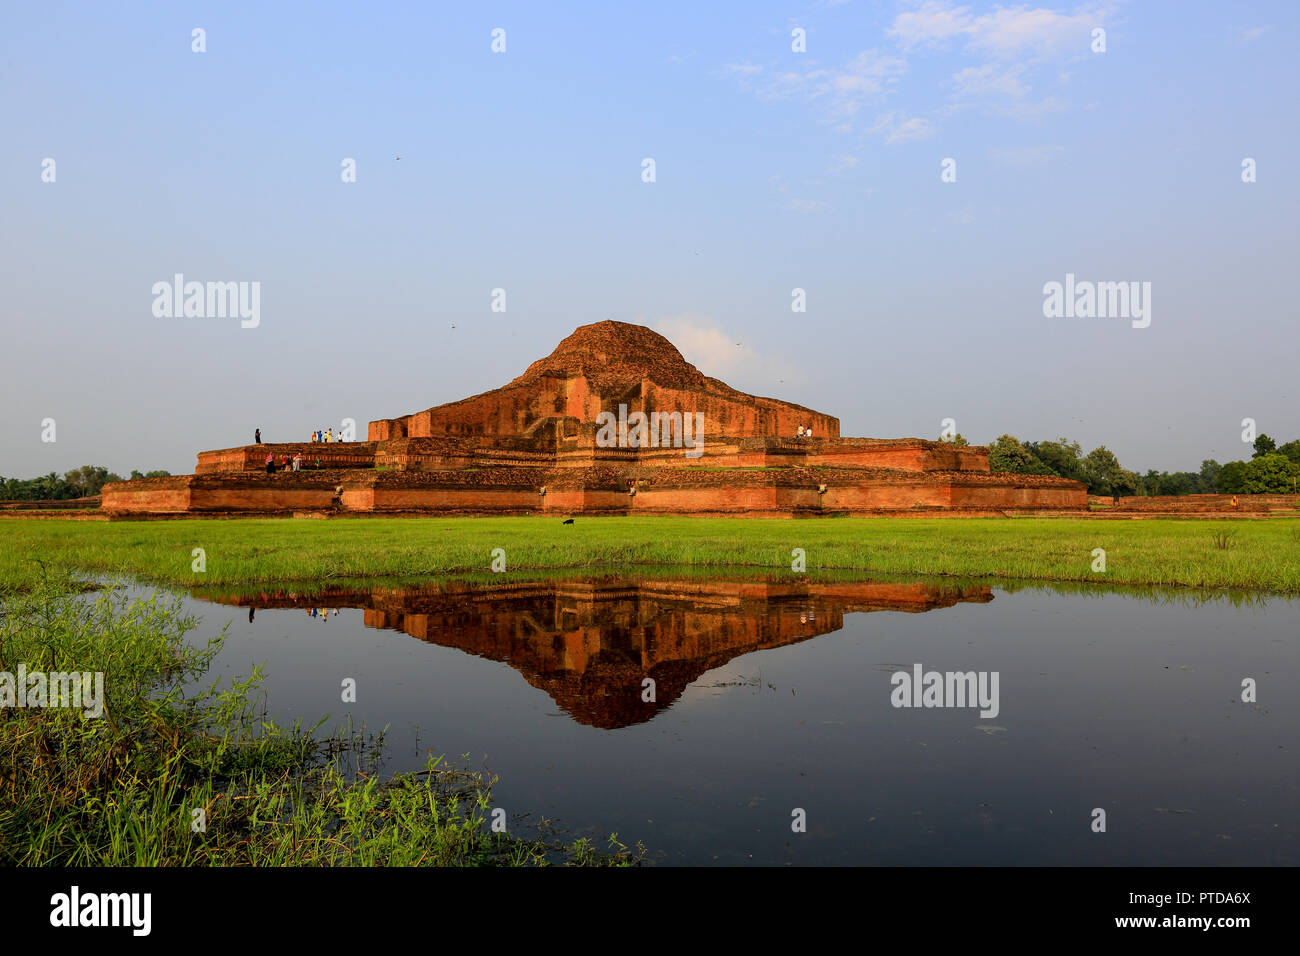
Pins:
x: 837, y: 92
x: 1006, y: 32
x: 1028, y: 156
x: 719, y: 353
x: 1251, y: 34
x: 1008, y: 44
x: 841, y: 164
x: 896, y: 127
x: 932, y: 23
x: 990, y: 80
x: 807, y: 206
x: 1025, y: 110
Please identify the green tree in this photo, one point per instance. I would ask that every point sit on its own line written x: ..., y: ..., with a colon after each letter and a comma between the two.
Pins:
x: 1232, y: 478
x: 1104, y: 475
x: 1007, y: 454
x: 88, y: 480
x: 1264, y: 445
x: 1179, y: 483
x: 1270, y: 474
x: 1210, y: 476
x: 1061, y: 457
x: 1292, y: 450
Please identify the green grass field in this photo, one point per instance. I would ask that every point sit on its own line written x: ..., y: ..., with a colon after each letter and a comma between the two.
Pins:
x: 1261, y: 555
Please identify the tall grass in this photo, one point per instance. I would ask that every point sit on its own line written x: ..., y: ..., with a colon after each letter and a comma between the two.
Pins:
x: 1169, y: 552
x: 123, y: 789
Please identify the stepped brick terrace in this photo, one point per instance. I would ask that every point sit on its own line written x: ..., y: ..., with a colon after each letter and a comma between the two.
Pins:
x: 614, y: 421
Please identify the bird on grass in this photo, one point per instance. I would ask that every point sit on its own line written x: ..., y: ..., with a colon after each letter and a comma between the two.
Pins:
x: 568, y: 521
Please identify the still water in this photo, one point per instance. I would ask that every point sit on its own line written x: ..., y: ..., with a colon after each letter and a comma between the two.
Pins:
x: 772, y: 696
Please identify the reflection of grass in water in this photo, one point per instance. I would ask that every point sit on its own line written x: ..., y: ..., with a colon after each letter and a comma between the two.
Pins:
x: 121, y: 789
x: 589, y: 575
x: 1156, y: 551
x: 756, y: 682
x: 1151, y: 594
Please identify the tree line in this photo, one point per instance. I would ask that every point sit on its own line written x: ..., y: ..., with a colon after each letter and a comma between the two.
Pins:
x: 1272, y: 469
x: 80, y: 482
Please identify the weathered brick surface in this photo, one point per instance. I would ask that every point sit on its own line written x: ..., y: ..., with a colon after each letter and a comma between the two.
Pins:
x: 605, y: 489
x: 495, y: 452
x: 223, y: 492
x: 1192, y: 504
x: 51, y: 504
x: 253, y: 457
x: 596, y: 369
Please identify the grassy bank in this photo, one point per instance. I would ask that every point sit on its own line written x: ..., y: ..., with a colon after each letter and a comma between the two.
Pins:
x: 1263, y: 555
x: 159, y: 778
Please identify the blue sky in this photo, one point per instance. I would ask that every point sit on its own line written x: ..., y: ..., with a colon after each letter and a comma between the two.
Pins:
x: 522, y: 170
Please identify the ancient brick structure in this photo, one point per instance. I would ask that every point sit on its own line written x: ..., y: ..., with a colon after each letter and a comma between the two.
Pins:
x: 614, y: 421
x: 598, y: 368
x: 1193, y: 505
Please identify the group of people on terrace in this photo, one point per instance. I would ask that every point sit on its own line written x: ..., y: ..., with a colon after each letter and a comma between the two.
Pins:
x: 286, y: 463
x: 321, y: 435
x: 295, y: 463
x: 804, y: 432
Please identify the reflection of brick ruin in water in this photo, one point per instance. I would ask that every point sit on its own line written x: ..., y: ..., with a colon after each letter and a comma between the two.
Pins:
x: 589, y: 644
x: 531, y: 447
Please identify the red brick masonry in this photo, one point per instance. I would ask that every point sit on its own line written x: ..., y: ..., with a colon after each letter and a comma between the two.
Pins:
x: 531, y: 447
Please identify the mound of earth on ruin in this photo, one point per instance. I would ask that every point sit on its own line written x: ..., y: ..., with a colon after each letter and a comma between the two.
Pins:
x: 596, y: 369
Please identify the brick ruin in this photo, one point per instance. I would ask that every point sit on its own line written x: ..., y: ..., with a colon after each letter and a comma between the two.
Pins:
x: 614, y: 421
x: 590, y: 643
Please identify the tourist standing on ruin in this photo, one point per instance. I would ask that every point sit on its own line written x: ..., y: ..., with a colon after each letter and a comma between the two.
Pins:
x: 270, y: 464
x: 257, y: 436
x: 297, y: 462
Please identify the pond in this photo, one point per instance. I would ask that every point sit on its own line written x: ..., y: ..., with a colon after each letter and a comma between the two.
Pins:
x: 773, y: 721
